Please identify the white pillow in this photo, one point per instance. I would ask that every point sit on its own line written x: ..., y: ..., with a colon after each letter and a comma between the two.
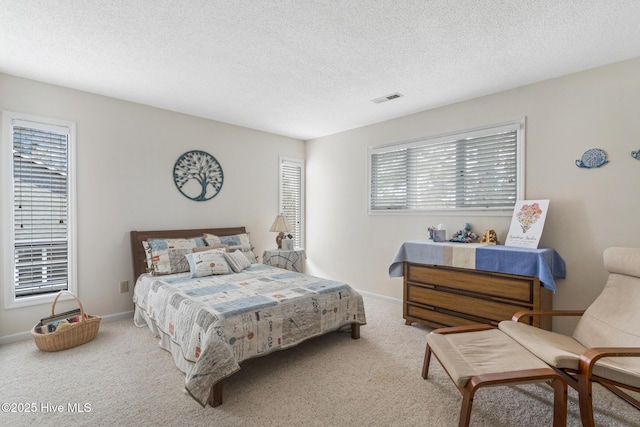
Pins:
x: 220, y: 248
x: 233, y: 242
x: 237, y: 260
x: 147, y: 254
x: 237, y: 240
x: 207, y: 263
x: 251, y: 256
x: 167, y: 255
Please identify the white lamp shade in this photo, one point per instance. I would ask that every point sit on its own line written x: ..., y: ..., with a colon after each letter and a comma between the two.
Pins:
x: 281, y: 224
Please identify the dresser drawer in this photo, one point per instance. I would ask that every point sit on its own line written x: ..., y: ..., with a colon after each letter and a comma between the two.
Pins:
x: 483, y: 308
x: 431, y: 317
x: 448, y: 296
x: 513, y: 288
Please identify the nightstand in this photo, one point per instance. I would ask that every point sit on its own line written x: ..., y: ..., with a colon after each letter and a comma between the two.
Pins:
x: 288, y: 259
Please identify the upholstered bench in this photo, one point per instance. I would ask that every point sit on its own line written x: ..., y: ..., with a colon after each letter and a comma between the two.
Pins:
x: 480, y: 356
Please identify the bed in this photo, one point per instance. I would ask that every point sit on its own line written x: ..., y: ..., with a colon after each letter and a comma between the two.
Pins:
x: 212, y: 322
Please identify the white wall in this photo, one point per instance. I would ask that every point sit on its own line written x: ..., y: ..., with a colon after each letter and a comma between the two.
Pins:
x: 589, y: 211
x: 125, y: 155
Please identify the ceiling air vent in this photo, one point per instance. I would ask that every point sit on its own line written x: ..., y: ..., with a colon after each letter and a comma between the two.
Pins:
x: 386, y: 98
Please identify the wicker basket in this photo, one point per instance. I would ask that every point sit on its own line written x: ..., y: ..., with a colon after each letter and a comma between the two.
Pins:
x: 73, y: 335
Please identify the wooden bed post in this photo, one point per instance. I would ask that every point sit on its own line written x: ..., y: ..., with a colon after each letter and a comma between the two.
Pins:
x: 355, y: 331
x: 215, y: 396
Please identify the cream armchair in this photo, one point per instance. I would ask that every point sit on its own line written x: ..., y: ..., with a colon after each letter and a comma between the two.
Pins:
x: 604, y: 348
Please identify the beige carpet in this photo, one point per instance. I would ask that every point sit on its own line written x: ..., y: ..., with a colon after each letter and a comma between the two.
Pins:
x: 123, y: 378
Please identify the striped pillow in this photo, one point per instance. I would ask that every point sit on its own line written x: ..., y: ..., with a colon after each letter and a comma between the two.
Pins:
x: 237, y: 260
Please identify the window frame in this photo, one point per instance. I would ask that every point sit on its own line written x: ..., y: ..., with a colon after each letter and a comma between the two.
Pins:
x: 298, y: 163
x: 11, y: 119
x: 515, y: 125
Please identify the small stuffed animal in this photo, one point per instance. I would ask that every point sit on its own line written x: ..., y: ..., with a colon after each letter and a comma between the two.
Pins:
x: 465, y: 235
x: 490, y: 237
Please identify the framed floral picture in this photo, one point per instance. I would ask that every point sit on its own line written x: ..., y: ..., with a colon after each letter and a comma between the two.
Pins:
x: 527, y: 223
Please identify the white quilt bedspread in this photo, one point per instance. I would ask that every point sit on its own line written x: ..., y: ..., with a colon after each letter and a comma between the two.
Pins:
x: 211, y: 324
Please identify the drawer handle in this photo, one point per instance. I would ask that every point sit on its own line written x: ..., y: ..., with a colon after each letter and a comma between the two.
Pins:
x: 422, y: 285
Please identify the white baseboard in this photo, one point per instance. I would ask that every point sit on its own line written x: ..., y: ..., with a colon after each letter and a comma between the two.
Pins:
x: 378, y: 296
x: 21, y: 336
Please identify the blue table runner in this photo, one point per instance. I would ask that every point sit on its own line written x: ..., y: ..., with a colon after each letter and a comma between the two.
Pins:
x: 544, y: 263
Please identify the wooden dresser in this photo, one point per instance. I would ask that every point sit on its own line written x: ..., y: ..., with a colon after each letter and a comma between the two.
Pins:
x: 439, y: 296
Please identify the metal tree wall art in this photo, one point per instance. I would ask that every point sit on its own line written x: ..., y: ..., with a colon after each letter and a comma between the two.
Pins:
x: 198, y: 175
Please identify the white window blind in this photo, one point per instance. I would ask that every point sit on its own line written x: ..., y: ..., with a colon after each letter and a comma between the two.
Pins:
x: 470, y: 170
x: 40, y: 222
x: 292, y: 196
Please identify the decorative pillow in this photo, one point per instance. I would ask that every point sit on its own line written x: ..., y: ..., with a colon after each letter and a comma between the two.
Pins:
x: 237, y: 260
x: 147, y: 254
x: 253, y: 259
x: 251, y: 256
x: 207, y: 263
x: 219, y: 248
x: 240, y: 241
x: 167, y: 255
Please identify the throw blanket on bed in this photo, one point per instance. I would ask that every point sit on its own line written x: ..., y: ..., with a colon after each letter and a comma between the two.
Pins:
x: 210, y: 324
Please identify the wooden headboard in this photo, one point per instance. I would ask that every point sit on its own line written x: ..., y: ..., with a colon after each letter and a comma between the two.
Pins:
x: 138, y: 255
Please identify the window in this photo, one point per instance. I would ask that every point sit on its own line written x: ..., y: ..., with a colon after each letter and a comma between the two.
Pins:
x: 292, y: 196
x: 38, y: 180
x: 479, y: 169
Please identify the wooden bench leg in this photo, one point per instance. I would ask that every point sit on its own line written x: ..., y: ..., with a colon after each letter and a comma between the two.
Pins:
x: 528, y: 376
x: 585, y: 389
x: 425, y: 363
x: 465, y: 409
x: 559, y: 402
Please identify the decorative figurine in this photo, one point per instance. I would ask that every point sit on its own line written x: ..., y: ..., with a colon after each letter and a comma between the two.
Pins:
x: 465, y: 235
x: 430, y: 229
x: 593, y: 158
x: 490, y: 237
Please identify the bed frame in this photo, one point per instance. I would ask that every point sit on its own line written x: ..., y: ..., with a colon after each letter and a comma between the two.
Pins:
x: 138, y: 256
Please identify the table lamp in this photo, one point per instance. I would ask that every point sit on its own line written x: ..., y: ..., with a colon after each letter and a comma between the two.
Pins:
x: 280, y: 225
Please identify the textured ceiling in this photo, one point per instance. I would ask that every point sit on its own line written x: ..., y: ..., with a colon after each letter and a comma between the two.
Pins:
x: 308, y: 68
